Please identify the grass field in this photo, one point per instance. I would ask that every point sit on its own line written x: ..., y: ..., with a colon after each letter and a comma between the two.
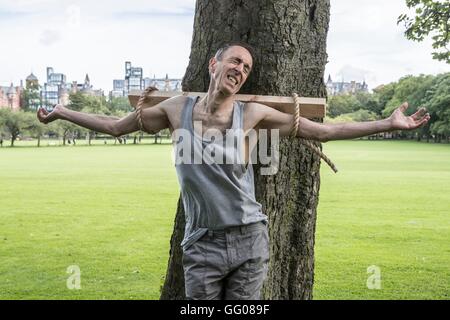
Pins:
x: 110, y: 209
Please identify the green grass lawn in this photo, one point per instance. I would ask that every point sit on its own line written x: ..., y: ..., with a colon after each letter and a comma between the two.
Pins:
x: 110, y: 210
x: 389, y: 206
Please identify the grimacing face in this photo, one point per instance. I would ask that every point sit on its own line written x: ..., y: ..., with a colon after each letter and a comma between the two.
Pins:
x: 230, y: 72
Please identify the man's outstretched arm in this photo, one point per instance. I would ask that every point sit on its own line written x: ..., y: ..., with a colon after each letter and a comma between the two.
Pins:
x: 324, y: 132
x: 154, y: 119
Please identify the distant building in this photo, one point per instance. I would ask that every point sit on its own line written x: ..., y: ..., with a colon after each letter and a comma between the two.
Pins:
x: 118, y: 88
x: 54, y: 91
x: 57, y: 91
x: 336, y: 88
x: 32, y: 82
x: 166, y: 84
x: 10, y: 97
x: 86, y: 88
x: 33, y: 87
x: 134, y: 80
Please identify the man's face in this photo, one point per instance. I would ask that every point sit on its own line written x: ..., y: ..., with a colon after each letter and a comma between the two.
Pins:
x: 230, y: 72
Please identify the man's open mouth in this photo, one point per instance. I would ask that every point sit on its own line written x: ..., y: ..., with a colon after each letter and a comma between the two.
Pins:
x: 232, y: 79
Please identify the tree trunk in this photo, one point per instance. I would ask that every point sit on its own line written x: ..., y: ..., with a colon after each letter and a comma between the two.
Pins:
x: 289, y: 38
x: 39, y: 141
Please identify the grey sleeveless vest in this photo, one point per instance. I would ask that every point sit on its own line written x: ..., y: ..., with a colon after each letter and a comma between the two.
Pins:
x: 217, y: 189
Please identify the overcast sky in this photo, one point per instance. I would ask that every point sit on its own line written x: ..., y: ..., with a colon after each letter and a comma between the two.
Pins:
x: 97, y: 37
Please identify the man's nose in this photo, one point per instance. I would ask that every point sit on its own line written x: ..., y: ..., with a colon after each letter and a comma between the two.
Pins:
x: 239, y: 67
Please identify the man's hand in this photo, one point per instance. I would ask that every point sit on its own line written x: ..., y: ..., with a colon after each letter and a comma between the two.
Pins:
x: 46, y: 117
x: 399, y: 121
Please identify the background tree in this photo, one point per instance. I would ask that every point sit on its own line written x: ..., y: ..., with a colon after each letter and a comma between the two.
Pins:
x: 438, y: 98
x: 369, y: 102
x: 290, y: 42
x: 357, y: 116
x: 13, y: 123
x: 33, y: 127
x: 383, y: 94
x: 77, y: 101
x: 65, y: 129
x: 411, y: 89
x: 2, y: 125
x: 94, y: 105
x: 30, y: 99
x: 119, y: 104
x: 81, y: 102
x: 432, y: 17
x: 340, y: 104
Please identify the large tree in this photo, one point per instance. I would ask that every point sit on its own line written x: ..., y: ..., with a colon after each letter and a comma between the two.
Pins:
x: 290, y: 42
x: 432, y: 17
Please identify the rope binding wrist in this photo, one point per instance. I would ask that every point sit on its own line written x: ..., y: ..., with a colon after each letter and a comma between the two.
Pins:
x: 306, y: 142
x: 138, y: 111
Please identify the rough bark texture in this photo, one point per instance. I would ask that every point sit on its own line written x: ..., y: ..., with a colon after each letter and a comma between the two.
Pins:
x: 290, y: 42
x: 173, y: 288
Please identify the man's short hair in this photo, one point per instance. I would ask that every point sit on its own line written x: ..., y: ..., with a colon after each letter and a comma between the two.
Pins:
x: 226, y: 46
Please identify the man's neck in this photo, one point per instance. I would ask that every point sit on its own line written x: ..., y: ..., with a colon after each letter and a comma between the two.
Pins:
x: 217, y: 102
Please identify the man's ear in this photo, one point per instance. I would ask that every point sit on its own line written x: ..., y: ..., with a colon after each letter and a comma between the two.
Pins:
x: 212, y: 65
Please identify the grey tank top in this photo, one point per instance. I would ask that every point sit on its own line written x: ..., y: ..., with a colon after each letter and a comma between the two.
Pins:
x: 217, y: 189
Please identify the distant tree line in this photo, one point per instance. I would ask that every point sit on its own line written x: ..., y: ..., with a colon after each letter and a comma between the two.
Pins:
x: 24, y: 124
x: 429, y: 91
x: 432, y: 92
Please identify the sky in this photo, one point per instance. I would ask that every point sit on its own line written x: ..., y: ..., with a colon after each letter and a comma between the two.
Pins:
x: 97, y: 37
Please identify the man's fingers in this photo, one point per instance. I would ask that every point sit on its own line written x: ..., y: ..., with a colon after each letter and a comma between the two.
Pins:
x: 424, y: 120
x: 419, y: 113
x: 404, y: 106
x: 42, y: 115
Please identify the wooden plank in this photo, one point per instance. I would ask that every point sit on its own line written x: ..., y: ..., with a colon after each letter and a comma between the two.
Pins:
x: 309, y: 107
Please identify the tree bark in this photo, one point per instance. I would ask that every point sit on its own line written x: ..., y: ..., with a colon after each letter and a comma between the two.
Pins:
x: 289, y: 38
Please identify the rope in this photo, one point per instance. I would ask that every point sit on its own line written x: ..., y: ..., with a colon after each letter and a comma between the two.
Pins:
x: 305, y: 142
x: 138, y: 112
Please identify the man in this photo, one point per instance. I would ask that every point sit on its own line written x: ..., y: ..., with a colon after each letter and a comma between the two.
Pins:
x: 225, y: 248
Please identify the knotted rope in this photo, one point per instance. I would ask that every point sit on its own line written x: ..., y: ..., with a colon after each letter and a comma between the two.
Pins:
x: 305, y: 142
x: 138, y: 112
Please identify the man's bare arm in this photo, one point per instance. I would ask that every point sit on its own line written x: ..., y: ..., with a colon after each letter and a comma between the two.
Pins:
x: 273, y: 119
x: 154, y: 120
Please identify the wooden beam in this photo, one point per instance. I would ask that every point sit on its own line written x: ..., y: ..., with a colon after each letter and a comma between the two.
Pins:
x: 309, y: 107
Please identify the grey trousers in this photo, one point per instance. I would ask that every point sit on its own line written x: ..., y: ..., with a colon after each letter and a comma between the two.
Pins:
x: 228, y: 264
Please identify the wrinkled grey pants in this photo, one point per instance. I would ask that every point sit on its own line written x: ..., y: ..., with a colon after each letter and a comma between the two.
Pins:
x: 227, y: 264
